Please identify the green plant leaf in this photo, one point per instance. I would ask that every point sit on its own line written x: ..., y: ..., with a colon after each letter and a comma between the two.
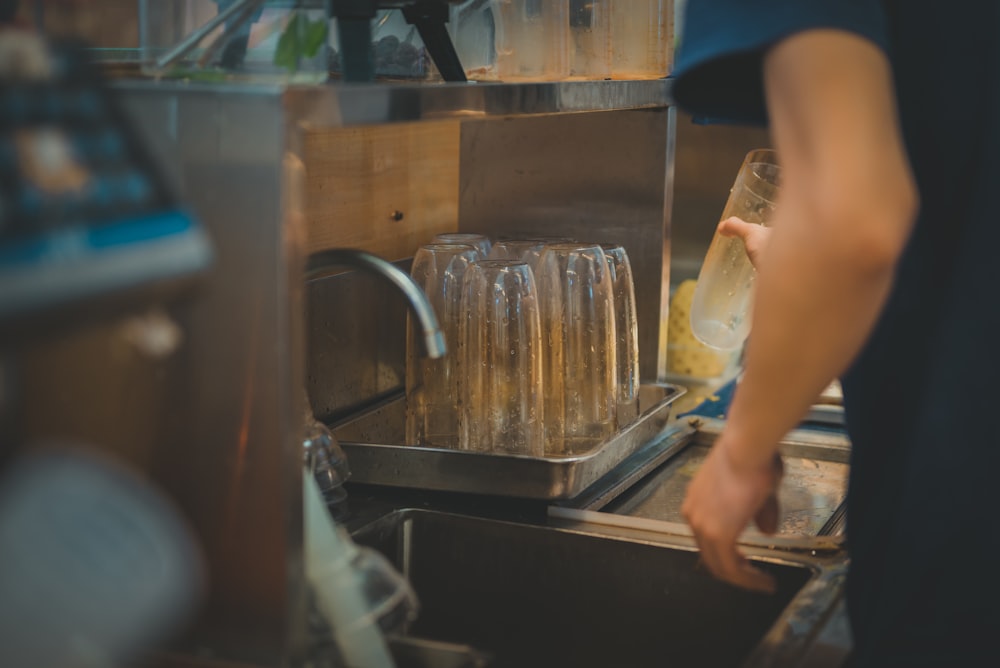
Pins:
x: 289, y: 48
x: 315, y: 37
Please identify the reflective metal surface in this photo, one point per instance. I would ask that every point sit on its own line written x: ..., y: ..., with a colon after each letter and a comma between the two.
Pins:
x: 389, y: 462
x: 357, y: 358
x: 337, y: 105
x: 542, y: 596
x: 636, y: 467
x: 324, y: 263
x: 812, y: 492
x: 831, y: 446
x: 345, y: 104
x: 229, y: 450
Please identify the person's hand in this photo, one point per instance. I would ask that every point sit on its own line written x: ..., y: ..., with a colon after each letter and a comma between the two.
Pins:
x: 754, y: 236
x: 721, y: 500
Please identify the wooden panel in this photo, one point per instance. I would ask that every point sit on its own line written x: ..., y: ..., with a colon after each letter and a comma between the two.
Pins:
x: 360, y: 180
x: 95, y: 388
x: 105, y: 24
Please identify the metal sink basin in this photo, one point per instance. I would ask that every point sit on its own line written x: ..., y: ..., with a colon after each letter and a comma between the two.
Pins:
x: 543, y: 596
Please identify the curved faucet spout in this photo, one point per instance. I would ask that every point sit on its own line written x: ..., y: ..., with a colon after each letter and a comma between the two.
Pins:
x: 324, y: 263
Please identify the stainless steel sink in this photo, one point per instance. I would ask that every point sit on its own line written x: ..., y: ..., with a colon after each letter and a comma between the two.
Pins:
x: 544, y: 596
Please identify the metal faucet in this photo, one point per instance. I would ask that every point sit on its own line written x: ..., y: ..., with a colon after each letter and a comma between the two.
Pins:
x: 324, y: 263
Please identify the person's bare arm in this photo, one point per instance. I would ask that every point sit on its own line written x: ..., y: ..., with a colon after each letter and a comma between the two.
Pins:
x: 846, y: 209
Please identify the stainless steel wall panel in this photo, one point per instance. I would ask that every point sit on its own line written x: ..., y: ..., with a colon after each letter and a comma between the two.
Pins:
x: 356, y: 342
x: 601, y: 177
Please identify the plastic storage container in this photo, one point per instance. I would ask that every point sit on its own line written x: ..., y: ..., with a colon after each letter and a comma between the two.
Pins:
x: 244, y: 40
x: 398, y: 50
x: 512, y: 40
x: 642, y: 39
x: 590, y: 39
x: 472, y: 26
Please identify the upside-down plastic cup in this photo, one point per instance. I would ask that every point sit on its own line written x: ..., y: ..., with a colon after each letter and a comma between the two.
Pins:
x: 432, y: 384
x: 501, y: 360
x: 578, y: 324
x: 626, y: 331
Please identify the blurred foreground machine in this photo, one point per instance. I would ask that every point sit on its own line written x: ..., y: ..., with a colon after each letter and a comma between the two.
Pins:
x: 95, y: 565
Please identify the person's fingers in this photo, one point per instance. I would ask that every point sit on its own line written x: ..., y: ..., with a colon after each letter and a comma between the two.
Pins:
x: 754, y: 579
x: 707, y: 543
x: 718, y: 505
x: 754, y: 237
x: 726, y: 563
x: 768, y: 515
x: 779, y: 468
x: 734, y: 227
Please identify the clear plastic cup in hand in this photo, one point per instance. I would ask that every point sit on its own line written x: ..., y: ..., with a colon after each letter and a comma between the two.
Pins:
x: 578, y: 324
x: 480, y: 242
x: 626, y: 331
x: 722, y: 302
x: 500, y: 348
x: 432, y: 384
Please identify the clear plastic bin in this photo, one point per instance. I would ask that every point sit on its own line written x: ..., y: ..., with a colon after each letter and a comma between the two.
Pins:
x: 512, y: 40
x: 590, y: 33
x: 398, y: 50
x: 472, y: 26
x: 642, y: 39
x: 220, y: 40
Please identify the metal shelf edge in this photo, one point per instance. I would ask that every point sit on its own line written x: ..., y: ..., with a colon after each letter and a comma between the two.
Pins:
x: 342, y: 105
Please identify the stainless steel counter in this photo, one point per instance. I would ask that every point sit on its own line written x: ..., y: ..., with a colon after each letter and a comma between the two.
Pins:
x: 487, y: 570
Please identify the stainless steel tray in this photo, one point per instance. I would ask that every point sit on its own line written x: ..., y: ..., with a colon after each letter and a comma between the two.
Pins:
x: 811, y: 495
x: 365, y: 439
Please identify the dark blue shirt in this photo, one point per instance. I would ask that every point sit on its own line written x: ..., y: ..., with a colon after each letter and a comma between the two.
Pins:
x: 924, y: 498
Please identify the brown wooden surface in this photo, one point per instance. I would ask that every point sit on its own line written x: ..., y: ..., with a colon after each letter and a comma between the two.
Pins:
x: 101, y: 23
x: 93, y: 388
x: 358, y: 181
